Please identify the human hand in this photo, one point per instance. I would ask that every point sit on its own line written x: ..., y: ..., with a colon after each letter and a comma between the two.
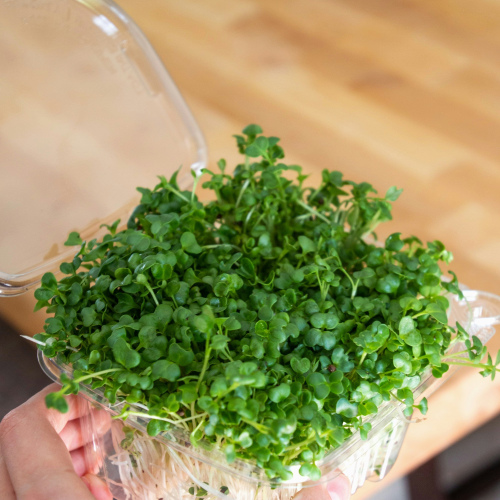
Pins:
x: 42, y: 454
x: 336, y: 489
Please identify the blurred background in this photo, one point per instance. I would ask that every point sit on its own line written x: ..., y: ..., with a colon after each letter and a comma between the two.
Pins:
x: 393, y: 92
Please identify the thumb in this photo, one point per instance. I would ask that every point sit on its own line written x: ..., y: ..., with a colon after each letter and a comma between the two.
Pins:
x: 336, y: 489
x: 97, y: 487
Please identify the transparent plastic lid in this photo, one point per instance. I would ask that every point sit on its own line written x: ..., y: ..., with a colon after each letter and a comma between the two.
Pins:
x: 87, y: 113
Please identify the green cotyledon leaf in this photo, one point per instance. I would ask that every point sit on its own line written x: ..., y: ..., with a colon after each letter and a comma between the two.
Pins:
x: 125, y: 355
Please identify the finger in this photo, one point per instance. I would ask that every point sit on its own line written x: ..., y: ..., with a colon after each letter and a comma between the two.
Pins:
x: 338, y: 488
x: 85, y: 462
x: 78, y: 407
x: 79, y: 462
x: 37, y: 461
x: 74, y: 434
x: 97, y: 487
x: 6, y: 489
x: 313, y: 493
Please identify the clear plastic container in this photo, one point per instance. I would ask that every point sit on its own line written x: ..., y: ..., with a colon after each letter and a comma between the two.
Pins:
x: 87, y: 113
x: 168, y: 467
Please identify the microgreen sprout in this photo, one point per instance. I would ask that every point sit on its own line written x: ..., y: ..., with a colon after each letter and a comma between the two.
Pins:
x: 264, y: 321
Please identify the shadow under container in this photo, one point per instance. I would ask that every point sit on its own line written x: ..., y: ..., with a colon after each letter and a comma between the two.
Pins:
x: 168, y: 467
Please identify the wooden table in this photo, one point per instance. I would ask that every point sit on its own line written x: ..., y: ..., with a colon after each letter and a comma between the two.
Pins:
x: 392, y: 92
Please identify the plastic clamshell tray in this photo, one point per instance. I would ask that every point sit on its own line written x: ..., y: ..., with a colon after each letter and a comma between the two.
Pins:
x: 169, y: 467
x: 88, y: 112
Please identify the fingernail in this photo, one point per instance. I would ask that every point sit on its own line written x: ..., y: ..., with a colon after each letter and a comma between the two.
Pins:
x: 97, y: 487
x: 86, y: 481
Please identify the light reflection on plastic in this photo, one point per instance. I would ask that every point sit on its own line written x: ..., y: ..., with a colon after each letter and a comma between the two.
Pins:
x: 105, y: 24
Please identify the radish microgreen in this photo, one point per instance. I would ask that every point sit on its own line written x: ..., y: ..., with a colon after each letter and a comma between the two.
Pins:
x: 264, y: 321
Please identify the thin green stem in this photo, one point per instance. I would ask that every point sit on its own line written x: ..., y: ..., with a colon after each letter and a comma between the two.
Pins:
x: 231, y: 389
x: 197, y: 427
x: 226, y: 353
x: 156, y: 417
x: 474, y: 365
x: 177, y: 193
x: 259, y: 427
x: 207, y: 247
x: 457, y: 354
x: 354, y: 286
x: 208, y: 350
x: 179, y: 420
x: 242, y: 190
x: 193, y: 410
x: 313, y: 211
x: 399, y: 399
x: 307, y: 441
x: 363, y: 356
x: 97, y: 374
x: 195, y: 183
x: 148, y: 286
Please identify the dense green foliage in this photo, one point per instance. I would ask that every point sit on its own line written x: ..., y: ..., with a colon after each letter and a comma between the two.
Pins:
x: 263, y: 321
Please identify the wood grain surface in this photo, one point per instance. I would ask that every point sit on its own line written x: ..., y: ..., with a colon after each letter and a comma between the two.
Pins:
x: 394, y: 92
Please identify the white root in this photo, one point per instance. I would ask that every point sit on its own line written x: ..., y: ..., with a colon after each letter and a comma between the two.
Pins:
x: 151, y: 470
x: 31, y: 339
